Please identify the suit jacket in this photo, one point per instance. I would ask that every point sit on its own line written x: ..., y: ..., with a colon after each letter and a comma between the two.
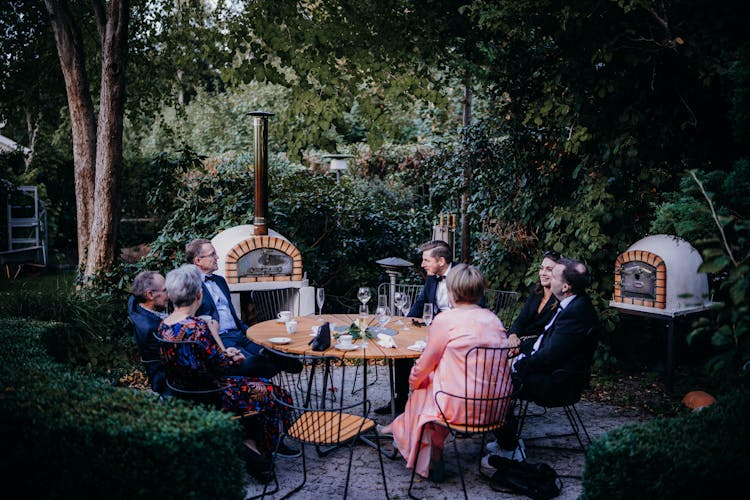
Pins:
x: 559, y: 370
x: 429, y: 294
x: 208, y: 306
x: 145, y: 324
x: 530, y: 322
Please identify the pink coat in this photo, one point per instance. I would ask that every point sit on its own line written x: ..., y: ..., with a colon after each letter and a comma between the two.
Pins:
x: 442, y: 367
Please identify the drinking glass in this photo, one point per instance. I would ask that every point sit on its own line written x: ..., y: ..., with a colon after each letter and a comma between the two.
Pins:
x: 383, y: 316
x: 405, y: 307
x: 362, y: 318
x: 363, y: 294
x: 398, y: 304
x: 427, y: 313
x: 320, y: 297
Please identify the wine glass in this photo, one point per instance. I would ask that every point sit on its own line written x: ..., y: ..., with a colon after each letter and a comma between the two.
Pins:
x: 383, y: 316
x: 405, y: 307
x: 320, y: 298
x: 363, y: 294
x: 362, y: 318
x: 398, y: 304
x: 428, y: 313
x: 382, y: 300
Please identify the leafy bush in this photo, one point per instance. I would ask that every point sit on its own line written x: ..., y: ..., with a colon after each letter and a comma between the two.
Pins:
x: 341, y: 229
x: 68, y: 435
x: 711, y: 211
x: 696, y: 455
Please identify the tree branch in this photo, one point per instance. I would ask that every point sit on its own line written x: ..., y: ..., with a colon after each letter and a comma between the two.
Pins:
x: 101, y: 18
x: 715, y: 217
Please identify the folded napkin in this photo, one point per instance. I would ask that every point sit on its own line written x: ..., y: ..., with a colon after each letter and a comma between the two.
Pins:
x: 419, y: 345
x: 386, y: 340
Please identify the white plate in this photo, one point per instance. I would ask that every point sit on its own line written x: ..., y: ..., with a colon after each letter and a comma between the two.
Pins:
x: 415, y: 348
x: 280, y: 340
x: 342, y: 347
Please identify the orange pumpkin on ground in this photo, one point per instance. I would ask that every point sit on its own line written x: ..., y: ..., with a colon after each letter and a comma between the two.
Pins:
x: 698, y: 399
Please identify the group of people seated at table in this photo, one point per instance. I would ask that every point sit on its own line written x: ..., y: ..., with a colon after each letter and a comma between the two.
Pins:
x: 203, y: 313
x: 551, y: 339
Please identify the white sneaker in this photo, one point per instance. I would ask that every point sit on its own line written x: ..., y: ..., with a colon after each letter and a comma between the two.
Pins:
x: 518, y: 454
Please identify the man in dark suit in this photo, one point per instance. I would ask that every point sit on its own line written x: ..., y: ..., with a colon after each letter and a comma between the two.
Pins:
x: 217, y: 303
x: 437, y: 260
x: 147, y: 307
x: 555, y: 369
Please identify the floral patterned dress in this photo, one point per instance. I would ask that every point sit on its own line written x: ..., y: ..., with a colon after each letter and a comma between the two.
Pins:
x: 241, y: 394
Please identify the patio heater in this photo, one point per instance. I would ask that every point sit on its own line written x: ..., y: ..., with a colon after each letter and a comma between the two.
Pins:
x: 338, y: 163
x: 393, y: 266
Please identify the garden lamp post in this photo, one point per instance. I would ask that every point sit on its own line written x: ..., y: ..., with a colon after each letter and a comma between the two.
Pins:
x: 338, y: 163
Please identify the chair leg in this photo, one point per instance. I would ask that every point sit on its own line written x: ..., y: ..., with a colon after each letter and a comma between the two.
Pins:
x: 460, y: 469
x: 414, y: 469
x: 304, y: 474
x: 576, y: 423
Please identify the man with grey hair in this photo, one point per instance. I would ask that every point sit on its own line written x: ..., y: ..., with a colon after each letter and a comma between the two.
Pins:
x: 217, y: 303
x: 147, y: 306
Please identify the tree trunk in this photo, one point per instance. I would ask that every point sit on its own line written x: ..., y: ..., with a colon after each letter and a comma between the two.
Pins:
x: 70, y: 51
x: 103, y: 237
x: 97, y: 147
x: 466, y: 182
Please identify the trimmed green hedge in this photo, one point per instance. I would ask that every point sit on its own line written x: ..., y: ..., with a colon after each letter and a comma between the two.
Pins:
x: 696, y: 455
x: 68, y: 435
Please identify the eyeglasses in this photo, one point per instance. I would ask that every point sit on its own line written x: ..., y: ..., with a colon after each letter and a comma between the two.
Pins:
x: 163, y: 290
x: 208, y: 256
x: 552, y: 255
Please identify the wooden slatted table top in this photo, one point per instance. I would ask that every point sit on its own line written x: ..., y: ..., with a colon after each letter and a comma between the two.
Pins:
x: 300, y: 340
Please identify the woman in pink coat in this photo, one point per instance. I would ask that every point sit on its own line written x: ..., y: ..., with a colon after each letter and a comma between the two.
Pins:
x: 442, y: 367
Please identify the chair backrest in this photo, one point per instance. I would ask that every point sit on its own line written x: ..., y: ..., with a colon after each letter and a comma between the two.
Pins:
x: 487, y: 390
x: 268, y: 303
x: 187, y: 373
x: 505, y: 304
x: 320, y: 413
x: 390, y: 290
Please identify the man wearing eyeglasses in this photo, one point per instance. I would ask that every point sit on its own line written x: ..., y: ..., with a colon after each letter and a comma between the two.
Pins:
x: 147, y: 306
x: 217, y: 303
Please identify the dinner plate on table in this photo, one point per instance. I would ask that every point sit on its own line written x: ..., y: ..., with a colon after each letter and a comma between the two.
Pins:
x: 342, y: 347
x: 280, y: 340
x: 385, y: 331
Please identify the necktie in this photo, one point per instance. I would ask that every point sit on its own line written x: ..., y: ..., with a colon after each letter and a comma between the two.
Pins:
x: 210, y: 277
x: 439, y: 278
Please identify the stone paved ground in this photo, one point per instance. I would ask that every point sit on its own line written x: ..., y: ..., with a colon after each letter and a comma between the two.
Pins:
x: 326, y: 476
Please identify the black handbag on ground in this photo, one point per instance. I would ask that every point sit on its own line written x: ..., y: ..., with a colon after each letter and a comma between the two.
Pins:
x: 322, y: 340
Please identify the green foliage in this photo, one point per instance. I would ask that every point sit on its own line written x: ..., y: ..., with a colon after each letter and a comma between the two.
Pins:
x: 341, y: 229
x: 67, y: 435
x: 91, y: 332
x: 711, y: 212
x: 692, y: 456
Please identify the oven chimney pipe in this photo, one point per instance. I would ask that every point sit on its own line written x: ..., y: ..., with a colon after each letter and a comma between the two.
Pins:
x: 260, y: 158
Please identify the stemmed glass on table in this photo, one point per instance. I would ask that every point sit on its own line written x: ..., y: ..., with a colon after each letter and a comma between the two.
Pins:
x: 320, y: 297
x: 363, y: 294
x: 383, y: 316
x: 428, y: 312
x: 398, y: 304
x: 405, y: 307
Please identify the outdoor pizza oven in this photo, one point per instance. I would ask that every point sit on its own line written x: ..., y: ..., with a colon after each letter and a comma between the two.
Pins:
x: 659, y: 274
x: 252, y: 257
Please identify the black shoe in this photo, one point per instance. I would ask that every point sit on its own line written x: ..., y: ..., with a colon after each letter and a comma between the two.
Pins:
x: 258, y: 466
x: 386, y: 409
x: 285, y: 451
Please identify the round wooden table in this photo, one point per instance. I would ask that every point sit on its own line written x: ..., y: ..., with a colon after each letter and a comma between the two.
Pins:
x: 261, y: 333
